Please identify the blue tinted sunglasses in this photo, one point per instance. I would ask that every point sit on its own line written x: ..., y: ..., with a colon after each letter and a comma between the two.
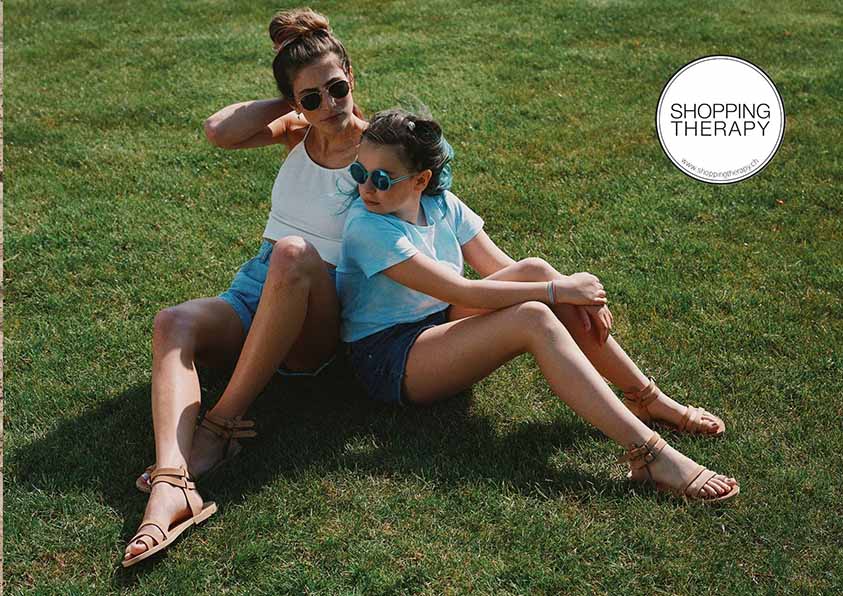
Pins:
x: 380, y: 179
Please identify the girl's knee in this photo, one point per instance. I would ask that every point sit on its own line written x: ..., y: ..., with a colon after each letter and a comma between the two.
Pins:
x: 536, y: 269
x: 535, y: 315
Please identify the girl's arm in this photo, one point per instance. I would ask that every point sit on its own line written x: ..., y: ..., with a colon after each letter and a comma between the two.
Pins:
x: 484, y: 256
x: 423, y: 274
x: 253, y: 124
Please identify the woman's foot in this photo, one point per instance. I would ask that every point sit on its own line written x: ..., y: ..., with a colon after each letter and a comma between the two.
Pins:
x: 208, y: 451
x: 669, y: 470
x: 652, y: 404
x: 214, y: 443
x: 166, y: 508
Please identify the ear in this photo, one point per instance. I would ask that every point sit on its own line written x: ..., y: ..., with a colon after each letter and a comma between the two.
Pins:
x: 421, y: 180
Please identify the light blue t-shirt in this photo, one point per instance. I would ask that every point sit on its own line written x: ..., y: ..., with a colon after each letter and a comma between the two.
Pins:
x: 373, y: 242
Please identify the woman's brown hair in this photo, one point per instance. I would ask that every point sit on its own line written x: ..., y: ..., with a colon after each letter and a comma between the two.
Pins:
x: 300, y: 37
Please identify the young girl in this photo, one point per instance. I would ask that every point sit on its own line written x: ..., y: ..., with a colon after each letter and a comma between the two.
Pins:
x: 418, y: 331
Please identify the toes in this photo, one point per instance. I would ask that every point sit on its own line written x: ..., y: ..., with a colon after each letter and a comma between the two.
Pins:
x: 134, y: 549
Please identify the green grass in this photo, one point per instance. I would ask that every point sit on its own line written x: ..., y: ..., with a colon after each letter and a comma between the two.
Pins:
x: 116, y: 207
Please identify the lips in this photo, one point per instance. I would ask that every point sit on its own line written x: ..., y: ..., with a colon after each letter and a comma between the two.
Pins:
x: 334, y: 117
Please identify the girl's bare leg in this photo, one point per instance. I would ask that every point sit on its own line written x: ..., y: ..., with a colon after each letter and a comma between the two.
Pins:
x: 450, y: 357
x: 609, y: 358
x: 207, y: 328
x: 296, y: 323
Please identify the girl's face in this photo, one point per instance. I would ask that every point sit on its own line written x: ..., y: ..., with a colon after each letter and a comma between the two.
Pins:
x: 402, y: 198
x: 323, y: 80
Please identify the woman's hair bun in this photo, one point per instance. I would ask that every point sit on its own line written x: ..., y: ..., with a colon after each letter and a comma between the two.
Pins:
x: 289, y: 25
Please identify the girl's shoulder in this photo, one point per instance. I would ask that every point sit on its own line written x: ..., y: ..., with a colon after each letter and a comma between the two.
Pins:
x: 361, y: 218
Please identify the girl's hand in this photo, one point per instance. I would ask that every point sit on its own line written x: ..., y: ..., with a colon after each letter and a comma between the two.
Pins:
x: 602, y: 321
x: 579, y: 288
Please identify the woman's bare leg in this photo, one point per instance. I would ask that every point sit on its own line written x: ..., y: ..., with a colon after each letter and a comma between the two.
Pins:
x: 207, y: 328
x: 450, y: 357
x: 609, y: 358
x: 296, y: 323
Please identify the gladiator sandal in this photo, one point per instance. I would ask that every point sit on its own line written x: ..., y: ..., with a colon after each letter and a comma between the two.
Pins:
x: 152, y: 533
x: 691, y: 422
x: 691, y: 487
x: 229, y: 429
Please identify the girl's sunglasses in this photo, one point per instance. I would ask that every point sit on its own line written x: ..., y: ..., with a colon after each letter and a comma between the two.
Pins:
x: 380, y: 179
x: 313, y: 100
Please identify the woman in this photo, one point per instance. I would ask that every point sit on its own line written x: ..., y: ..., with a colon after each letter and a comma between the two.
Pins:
x: 418, y: 332
x: 282, y: 306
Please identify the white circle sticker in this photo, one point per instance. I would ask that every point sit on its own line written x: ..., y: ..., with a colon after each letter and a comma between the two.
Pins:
x: 720, y: 119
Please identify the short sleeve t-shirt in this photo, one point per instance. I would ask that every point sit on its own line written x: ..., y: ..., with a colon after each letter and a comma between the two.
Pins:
x: 372, y: 242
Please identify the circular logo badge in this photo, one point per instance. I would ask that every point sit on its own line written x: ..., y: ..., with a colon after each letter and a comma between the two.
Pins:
x: 720, y: 119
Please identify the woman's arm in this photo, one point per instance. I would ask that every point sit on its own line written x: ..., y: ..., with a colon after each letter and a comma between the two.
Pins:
x: 423, y: 274
x: 252, y: 124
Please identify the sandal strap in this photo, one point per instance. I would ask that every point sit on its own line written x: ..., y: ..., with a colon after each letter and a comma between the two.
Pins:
x: 179, y: 478
x: 228, y: 428
x: 697, y: 481
x: 639, y: 456
x: 644, y: 397
x: 173, y: 476
x: 141, y: 535
x: 690, y: 419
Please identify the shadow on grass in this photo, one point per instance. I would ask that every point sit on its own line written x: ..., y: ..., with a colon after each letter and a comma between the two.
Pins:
x: 324, y: 424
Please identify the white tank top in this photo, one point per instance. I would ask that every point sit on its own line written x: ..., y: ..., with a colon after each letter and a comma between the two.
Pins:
x: 308, y: 201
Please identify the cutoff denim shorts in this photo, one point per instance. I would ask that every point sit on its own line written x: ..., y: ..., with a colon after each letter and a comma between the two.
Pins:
x: 245, y: 293
x: 380, y: 360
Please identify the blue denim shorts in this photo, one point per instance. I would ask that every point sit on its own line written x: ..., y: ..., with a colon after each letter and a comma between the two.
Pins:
x: 379, y: 360
x: 245, y: 293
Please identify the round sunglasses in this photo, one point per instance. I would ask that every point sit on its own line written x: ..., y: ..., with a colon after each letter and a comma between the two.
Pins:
x: 380, y: 179
x: 337, y: 90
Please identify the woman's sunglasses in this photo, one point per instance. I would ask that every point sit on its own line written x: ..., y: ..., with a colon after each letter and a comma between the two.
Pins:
x: 380, y: 179
x: 313, y: 100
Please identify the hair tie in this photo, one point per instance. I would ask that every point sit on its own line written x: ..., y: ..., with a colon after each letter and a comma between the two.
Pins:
x: 411, y: 125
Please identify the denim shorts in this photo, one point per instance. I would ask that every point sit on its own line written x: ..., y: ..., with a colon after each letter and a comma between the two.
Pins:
x: 245, y: 293
x: 379, y: 360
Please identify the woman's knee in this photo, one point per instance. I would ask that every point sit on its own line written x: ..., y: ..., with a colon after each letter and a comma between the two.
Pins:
x: 292, y: 258
x: 174, y: 325
x: 536, y: 269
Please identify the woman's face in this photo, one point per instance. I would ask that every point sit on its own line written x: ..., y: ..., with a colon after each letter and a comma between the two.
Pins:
x: 320, y: 79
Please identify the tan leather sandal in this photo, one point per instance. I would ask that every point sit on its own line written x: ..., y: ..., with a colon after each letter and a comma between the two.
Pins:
x: 152, y: 534
x: 691, y: 422
x: 641, y: 456
x: 229, y: 429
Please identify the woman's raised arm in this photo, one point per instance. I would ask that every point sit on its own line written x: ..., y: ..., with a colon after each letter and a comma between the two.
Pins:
x: 423, y: 274
x: 252, y: 124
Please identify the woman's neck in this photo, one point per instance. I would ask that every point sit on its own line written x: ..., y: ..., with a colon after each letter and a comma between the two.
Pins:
x: 326, y: 146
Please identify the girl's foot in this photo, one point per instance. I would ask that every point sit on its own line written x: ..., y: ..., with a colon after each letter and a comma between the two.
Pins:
x: 651, y: 404
x: 669, y: 470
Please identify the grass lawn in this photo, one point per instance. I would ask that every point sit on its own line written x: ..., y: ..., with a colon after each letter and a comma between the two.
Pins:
x: 731, y: 296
